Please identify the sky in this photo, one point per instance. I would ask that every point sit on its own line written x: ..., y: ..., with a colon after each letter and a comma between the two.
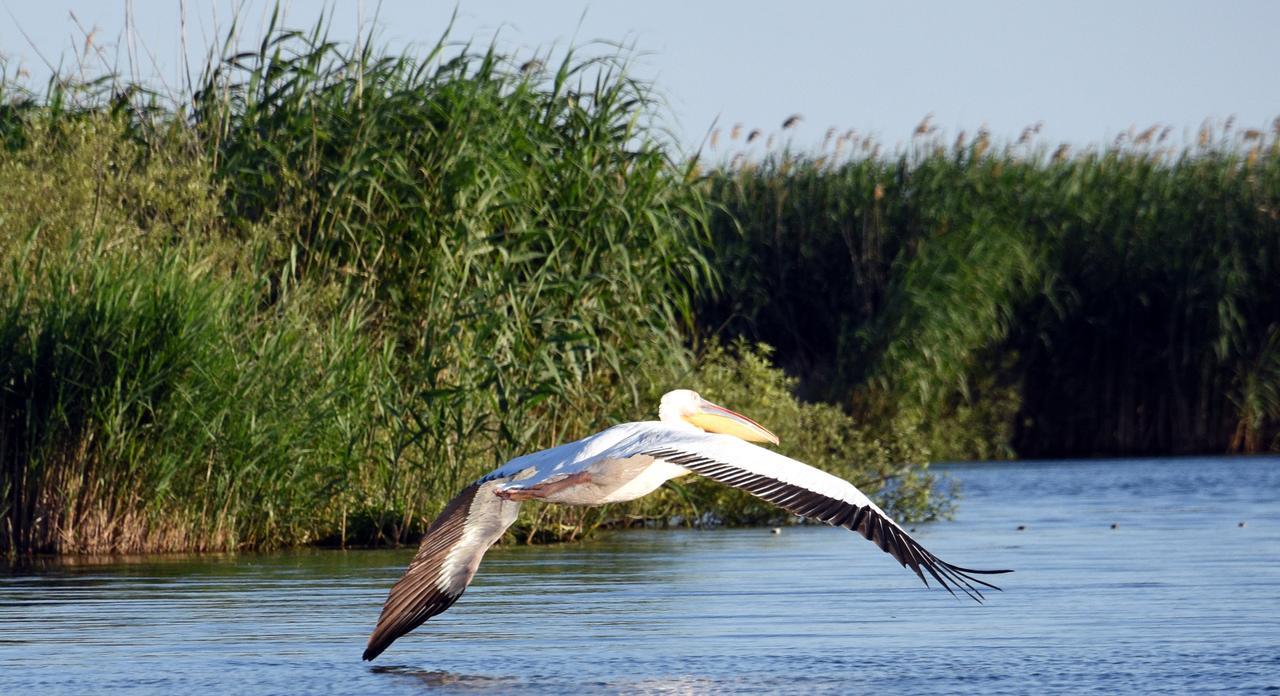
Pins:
x: 1089, y: 70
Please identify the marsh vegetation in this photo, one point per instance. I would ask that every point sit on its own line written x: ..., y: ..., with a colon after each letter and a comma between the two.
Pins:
x: 308, y: 298
x: 1013, y: 299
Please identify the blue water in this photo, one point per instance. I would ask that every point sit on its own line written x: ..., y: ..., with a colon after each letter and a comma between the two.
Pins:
x: 1177, y: 597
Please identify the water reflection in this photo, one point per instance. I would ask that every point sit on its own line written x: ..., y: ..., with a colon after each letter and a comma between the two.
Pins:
x: 438, y: 678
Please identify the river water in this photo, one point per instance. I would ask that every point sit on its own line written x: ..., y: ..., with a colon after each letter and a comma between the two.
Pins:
x: 1177, y: 596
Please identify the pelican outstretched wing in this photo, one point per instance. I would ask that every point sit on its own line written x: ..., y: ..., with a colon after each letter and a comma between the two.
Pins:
x: 446, y: 561
x: 813, y: 494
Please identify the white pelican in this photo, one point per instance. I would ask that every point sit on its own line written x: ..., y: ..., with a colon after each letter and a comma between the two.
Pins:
x: 626, y: 462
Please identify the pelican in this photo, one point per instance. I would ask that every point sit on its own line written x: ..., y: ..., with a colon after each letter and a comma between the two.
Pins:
x: 691, y: 436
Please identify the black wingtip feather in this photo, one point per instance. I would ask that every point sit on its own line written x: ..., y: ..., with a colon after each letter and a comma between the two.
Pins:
x: 979, y: 572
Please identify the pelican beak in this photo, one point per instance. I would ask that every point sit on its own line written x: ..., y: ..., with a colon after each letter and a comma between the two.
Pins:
x: 718, y: 419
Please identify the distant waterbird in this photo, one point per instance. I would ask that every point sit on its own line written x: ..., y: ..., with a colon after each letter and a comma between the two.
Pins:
x: 691, y: 436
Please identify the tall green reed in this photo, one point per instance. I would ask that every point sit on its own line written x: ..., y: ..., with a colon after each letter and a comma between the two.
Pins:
x: 147, y: 407
x: 1113, y: 302
x: 525, y: 240
x: 312, y: 299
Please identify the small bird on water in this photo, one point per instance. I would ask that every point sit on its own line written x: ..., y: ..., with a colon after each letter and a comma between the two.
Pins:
x: 691, y: 436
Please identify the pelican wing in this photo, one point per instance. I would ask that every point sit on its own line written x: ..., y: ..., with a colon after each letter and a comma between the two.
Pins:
x: 446, y: 561
x: 813, y: 494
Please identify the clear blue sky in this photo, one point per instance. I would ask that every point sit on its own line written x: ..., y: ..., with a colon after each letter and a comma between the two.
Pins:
x: 1089, y: 69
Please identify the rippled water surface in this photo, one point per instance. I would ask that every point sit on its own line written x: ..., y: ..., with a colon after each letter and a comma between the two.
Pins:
x: 1176, y: 597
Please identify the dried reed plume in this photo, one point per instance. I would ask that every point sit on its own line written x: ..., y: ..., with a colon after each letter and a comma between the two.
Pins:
x: 926, y: 125
x: 981, y: 143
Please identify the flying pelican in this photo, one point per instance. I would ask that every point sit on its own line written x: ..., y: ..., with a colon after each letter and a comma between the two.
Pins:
x: 625, y: 462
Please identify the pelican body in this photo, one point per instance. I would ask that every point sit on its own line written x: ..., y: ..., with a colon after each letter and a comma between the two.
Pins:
x: 625, y: 462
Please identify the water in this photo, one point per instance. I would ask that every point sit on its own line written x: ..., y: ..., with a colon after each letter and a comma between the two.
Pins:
x: 1176, y: 598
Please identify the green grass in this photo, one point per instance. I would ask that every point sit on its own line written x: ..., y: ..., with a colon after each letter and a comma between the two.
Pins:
x: 149, y: 406
x: 312, y: 299
x: 1010, y: 300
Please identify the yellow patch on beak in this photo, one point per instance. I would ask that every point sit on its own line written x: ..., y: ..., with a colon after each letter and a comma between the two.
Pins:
x: 718, y: 419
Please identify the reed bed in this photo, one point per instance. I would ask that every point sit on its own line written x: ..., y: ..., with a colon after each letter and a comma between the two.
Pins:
x: 309, y: 300
x: 1018, y: 299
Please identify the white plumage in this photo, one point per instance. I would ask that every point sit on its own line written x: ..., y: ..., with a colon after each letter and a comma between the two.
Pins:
x: 626, y: 462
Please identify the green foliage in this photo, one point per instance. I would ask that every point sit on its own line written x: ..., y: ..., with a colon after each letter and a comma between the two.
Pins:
x: 526, y: 245
x: 85, y: 174
x: 418, y: 180
x: 1115, y: 303
x: 147, y: 406
x: 311, y: 300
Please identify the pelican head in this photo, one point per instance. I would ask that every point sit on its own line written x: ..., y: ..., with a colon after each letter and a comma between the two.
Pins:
x: 686, y: 407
